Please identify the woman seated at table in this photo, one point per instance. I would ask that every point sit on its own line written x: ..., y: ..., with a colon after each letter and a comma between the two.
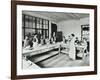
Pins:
x: 64, y: 39
x: 35, y: 38
x: 30, y: 44
x: 52, y: 41
x: 26, y: 42
x: 77, y: 43
x: 84, y: 43
x: 35, y: 43
x: 41, y: 41
x: 47, y: 41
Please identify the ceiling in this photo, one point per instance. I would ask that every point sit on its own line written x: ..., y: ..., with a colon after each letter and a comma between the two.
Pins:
x: 60, y: 16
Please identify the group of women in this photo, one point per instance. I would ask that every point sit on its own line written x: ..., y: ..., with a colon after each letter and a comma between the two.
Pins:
x: 32, y: 41
x: 73, y: 44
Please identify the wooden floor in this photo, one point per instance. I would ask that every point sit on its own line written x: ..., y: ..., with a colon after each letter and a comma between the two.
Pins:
x: 54, y: 59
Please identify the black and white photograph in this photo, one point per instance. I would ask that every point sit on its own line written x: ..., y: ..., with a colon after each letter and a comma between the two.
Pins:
x: 55, y: 39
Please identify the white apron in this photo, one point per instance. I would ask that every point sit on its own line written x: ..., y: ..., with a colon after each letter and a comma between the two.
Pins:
x: 72, y: 52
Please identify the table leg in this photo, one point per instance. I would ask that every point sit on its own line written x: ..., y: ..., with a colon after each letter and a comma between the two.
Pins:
x: 59, y: 49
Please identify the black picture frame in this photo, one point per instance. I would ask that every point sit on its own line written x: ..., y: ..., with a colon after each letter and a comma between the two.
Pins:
x: 14, y: 4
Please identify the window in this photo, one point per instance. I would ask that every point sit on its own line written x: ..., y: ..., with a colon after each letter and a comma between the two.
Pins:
x: 85, y: 31
x: 34, y: 25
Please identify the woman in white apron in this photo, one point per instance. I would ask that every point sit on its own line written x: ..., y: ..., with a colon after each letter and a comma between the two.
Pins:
x: 72, y: 52
x: 26, y: 42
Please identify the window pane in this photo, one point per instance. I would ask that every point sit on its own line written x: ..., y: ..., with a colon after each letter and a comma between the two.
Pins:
x: 23, y: 21
x: 33, y: 22
x: 43, y: 26
x: 30, y: 21
x: 43, y: 22
x: 31, y: 31
x: 46, y: 26
x: 26, y: 24
x: 33, y: 25
x: 33, y: 19
x: 26, y: 21
x: 30, y: 24
x: 46, y: 22
x: 40, y: 21
x: 22, y: 33
x: 38, y: 26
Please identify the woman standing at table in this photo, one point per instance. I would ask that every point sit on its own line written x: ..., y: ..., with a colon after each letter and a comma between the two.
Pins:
x: 54, y: 37
x: 35, y: 41
x: 72, y: 52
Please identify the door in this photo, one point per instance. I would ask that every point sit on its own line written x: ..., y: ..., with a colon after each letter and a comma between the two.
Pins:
x: 53, y: 29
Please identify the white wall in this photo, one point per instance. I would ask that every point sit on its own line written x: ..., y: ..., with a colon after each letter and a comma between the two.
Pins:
x: 84, y: 21
x: 69, y: 27
x: 72, y: 26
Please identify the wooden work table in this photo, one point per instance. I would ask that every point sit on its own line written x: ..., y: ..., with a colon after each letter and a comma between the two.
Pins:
x: 39, y: 49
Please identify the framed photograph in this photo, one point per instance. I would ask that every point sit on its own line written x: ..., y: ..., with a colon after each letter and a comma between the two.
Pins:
x: 53, y: 39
